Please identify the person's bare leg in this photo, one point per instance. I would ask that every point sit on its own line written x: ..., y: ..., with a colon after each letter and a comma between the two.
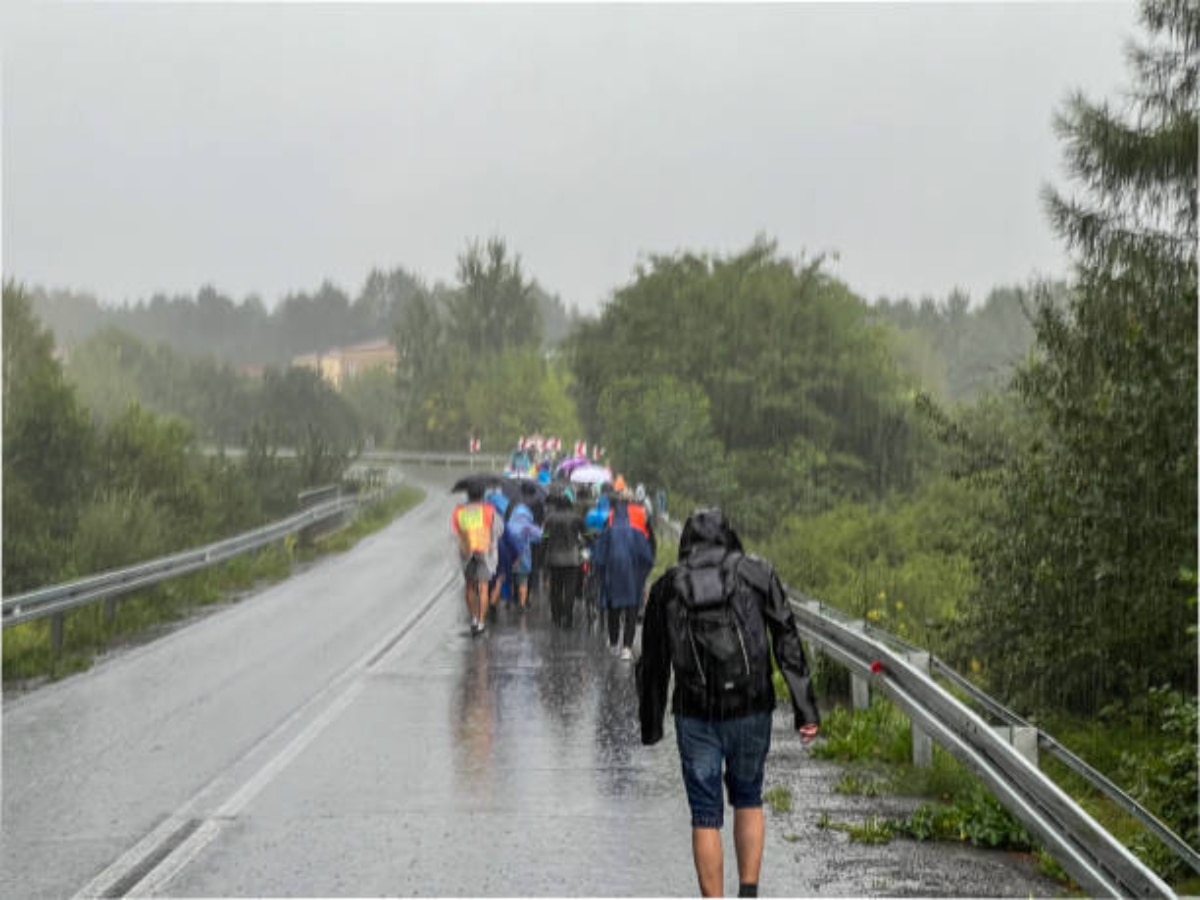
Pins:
x: 749, y: 832
x: 468, y: 595
x: 523, y: 593
x: 710, y: 862
x: 481, y: 593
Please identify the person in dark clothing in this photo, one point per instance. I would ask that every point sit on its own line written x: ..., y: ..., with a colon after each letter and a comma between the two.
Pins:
x: 562, y: 535
x: 623, y: 559
x: 726, y: 721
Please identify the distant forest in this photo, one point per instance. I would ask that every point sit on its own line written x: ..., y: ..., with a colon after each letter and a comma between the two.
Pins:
x: 247, y: 333
x: 955, y: 349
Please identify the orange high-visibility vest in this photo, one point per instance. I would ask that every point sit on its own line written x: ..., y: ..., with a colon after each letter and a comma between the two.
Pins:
x: 637, y: 518
x: 474, y: 522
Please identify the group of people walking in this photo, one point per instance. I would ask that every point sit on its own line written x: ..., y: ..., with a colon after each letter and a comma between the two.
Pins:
x: 715, y: 624
x: 612, y: 544
x: 617, y: 538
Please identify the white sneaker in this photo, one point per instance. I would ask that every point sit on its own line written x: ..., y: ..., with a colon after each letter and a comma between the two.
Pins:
x: 626, y: 654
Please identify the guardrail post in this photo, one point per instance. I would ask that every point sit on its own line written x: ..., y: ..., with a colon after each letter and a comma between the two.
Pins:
x: 56, y: 632
x: 860, y: 688
x: 922, y: 743
x: 315, y: 497
x: 1025, y: 741
x: 1022, y: 738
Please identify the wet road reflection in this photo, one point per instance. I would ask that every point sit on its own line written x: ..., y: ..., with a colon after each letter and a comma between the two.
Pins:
x: 542, y: 705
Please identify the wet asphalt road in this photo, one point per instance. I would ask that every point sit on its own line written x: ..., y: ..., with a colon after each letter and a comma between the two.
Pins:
x: 377, y: 749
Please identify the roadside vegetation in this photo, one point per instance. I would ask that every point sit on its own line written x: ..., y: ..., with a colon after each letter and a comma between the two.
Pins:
x: 875, y: 745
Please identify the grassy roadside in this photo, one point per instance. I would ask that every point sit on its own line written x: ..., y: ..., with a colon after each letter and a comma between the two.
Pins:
x: 875, y: 745
x: 28, y: 658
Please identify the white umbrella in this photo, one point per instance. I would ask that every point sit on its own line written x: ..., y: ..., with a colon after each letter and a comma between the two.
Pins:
x: 591, y: 475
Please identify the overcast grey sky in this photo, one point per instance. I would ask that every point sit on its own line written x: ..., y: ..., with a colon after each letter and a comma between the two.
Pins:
x: 265, y: 148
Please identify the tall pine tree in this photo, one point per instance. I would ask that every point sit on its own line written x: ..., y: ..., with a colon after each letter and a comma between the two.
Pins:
x: 1087, y: 596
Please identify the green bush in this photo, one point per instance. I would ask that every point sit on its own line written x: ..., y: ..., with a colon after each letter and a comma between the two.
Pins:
x: 903, y: 565
x: 1163, y: 778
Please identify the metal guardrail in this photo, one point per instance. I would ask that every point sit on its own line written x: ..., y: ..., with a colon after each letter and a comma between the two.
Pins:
x: 485, y: 461
x: 1100, y: 863
x: 1097, y: 779
x: 1093, y: 776
x: 59, y: 598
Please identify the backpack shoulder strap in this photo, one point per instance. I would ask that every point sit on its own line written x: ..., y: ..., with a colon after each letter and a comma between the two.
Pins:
x: 757, y: 572
x: 732, y: 562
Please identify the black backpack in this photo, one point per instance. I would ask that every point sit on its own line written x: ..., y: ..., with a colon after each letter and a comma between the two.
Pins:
x: 717, y: 649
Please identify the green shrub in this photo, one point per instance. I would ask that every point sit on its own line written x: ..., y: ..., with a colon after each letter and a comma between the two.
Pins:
x: 1163, y: 778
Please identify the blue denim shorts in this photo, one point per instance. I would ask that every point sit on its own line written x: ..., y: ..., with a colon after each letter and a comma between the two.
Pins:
x: 741, y: 745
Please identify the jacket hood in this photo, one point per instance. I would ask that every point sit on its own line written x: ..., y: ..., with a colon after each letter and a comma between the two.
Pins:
x: 706, y: 531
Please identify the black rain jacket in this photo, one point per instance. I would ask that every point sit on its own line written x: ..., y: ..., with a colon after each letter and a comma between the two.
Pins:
x: 763, y: 611
x: 562, y: 536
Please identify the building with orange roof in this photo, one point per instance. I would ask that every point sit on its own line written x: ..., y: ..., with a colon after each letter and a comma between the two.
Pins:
x: 339, y: 364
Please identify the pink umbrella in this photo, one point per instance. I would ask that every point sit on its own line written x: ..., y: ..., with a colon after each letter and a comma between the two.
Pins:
x: 572, y: 463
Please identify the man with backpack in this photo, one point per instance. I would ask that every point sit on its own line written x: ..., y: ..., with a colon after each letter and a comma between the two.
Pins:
x: 714, y: 619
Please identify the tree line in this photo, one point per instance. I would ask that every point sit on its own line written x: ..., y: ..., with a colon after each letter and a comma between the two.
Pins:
x: 247, y: 333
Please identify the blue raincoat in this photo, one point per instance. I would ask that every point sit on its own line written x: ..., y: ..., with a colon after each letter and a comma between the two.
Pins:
x: 505, y: 549
x: 522, y: 533
x: 623, y: 559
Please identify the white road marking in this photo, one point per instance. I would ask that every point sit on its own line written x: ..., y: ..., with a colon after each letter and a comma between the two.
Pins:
x: 152, y: 885
x: 349, y: 686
